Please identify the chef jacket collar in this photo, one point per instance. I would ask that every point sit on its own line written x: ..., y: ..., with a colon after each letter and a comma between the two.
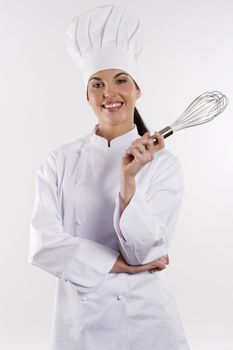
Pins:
x: 118, y: 142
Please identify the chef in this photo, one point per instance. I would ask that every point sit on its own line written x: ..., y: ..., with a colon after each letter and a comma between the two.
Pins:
x: 106, y: 205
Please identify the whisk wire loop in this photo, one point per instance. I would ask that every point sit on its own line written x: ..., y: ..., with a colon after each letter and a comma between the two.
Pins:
x: 203, y: 109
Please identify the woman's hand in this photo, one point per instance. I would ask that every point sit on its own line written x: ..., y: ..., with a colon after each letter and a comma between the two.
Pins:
x: 164, y: 259
x: 140, y: 152
x: 156, y: 265
x: 135, y: 157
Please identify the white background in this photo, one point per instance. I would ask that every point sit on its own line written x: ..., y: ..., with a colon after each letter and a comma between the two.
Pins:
x: 188, y: 50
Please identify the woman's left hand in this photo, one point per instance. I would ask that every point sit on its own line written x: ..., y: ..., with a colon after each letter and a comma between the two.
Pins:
x: 139, y: 153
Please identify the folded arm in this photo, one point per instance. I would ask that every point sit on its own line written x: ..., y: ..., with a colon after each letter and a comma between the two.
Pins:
x: 145, y: 224
x: 80, y: 262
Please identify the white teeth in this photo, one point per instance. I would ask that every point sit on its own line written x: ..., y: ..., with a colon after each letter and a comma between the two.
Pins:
x: 113, y: 105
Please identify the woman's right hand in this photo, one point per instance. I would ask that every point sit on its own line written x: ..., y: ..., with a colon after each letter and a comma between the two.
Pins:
x: 156, y: 265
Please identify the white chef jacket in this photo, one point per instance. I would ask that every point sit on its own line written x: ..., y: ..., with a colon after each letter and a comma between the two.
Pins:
x: 77, y: 234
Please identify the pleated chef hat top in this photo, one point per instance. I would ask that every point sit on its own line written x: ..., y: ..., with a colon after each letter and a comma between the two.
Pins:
x: 106, y: 37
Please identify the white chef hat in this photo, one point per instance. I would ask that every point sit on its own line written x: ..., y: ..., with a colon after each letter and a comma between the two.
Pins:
x: 106, y: 37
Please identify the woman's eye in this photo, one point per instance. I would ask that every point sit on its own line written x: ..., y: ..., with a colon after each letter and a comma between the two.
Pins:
x: 122, y: 80
x: 98, y: 84
x: 95, y: 85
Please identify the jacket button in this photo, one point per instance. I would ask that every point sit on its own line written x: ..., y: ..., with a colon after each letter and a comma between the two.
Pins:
x: 119, y: 297
x: 78, y: 182
x: 84, y: 299
x: 79, y: 221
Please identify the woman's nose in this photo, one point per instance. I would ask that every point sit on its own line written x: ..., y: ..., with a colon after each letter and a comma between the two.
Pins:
x: 109, y: 90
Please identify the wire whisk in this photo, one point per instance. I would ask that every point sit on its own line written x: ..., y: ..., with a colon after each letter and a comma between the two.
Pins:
x: 203, y: 109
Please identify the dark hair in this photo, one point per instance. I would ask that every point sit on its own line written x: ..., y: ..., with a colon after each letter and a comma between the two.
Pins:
x: 141, y: 126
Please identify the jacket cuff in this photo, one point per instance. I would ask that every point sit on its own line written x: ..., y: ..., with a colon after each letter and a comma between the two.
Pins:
x: 90, y: 265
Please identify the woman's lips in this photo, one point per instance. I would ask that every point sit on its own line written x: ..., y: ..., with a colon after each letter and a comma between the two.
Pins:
x: 113, y: 109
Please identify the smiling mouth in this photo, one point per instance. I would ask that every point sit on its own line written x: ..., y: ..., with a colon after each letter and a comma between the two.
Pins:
x: 113, y: 108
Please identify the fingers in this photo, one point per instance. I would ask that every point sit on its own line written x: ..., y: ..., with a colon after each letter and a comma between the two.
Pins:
x: 144, y: 146
x: 140, y: 153
x: 160, y: 264
x: 139, y: 149
x: 142, y: 268
x: 156, y: 265
x: 151, y: 145
x: 159, y: 143
x: 165, y: 259
x: 147, y: 267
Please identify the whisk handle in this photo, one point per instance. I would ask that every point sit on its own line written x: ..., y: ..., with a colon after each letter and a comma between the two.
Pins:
x: 167, y: 131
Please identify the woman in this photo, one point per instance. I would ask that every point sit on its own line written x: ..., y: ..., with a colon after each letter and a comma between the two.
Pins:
x: 104, y: 89
x: 104, y: 215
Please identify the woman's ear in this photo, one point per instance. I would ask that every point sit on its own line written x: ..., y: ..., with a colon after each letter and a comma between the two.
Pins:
x: 138, y: 93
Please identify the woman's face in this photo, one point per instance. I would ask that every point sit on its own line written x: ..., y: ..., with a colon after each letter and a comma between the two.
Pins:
x: 108, y: 86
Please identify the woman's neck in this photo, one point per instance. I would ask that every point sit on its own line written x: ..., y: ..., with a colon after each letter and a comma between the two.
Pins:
x: 113, y: 132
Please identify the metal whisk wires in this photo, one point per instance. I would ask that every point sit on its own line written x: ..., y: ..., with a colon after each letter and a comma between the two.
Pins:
x: 203, y: 109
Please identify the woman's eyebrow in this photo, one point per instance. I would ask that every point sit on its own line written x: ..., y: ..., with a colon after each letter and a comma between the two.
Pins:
x: 115, y: 76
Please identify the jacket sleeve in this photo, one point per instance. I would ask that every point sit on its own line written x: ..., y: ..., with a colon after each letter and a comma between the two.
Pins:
x: 146, y: 226
x: 80, y: 262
